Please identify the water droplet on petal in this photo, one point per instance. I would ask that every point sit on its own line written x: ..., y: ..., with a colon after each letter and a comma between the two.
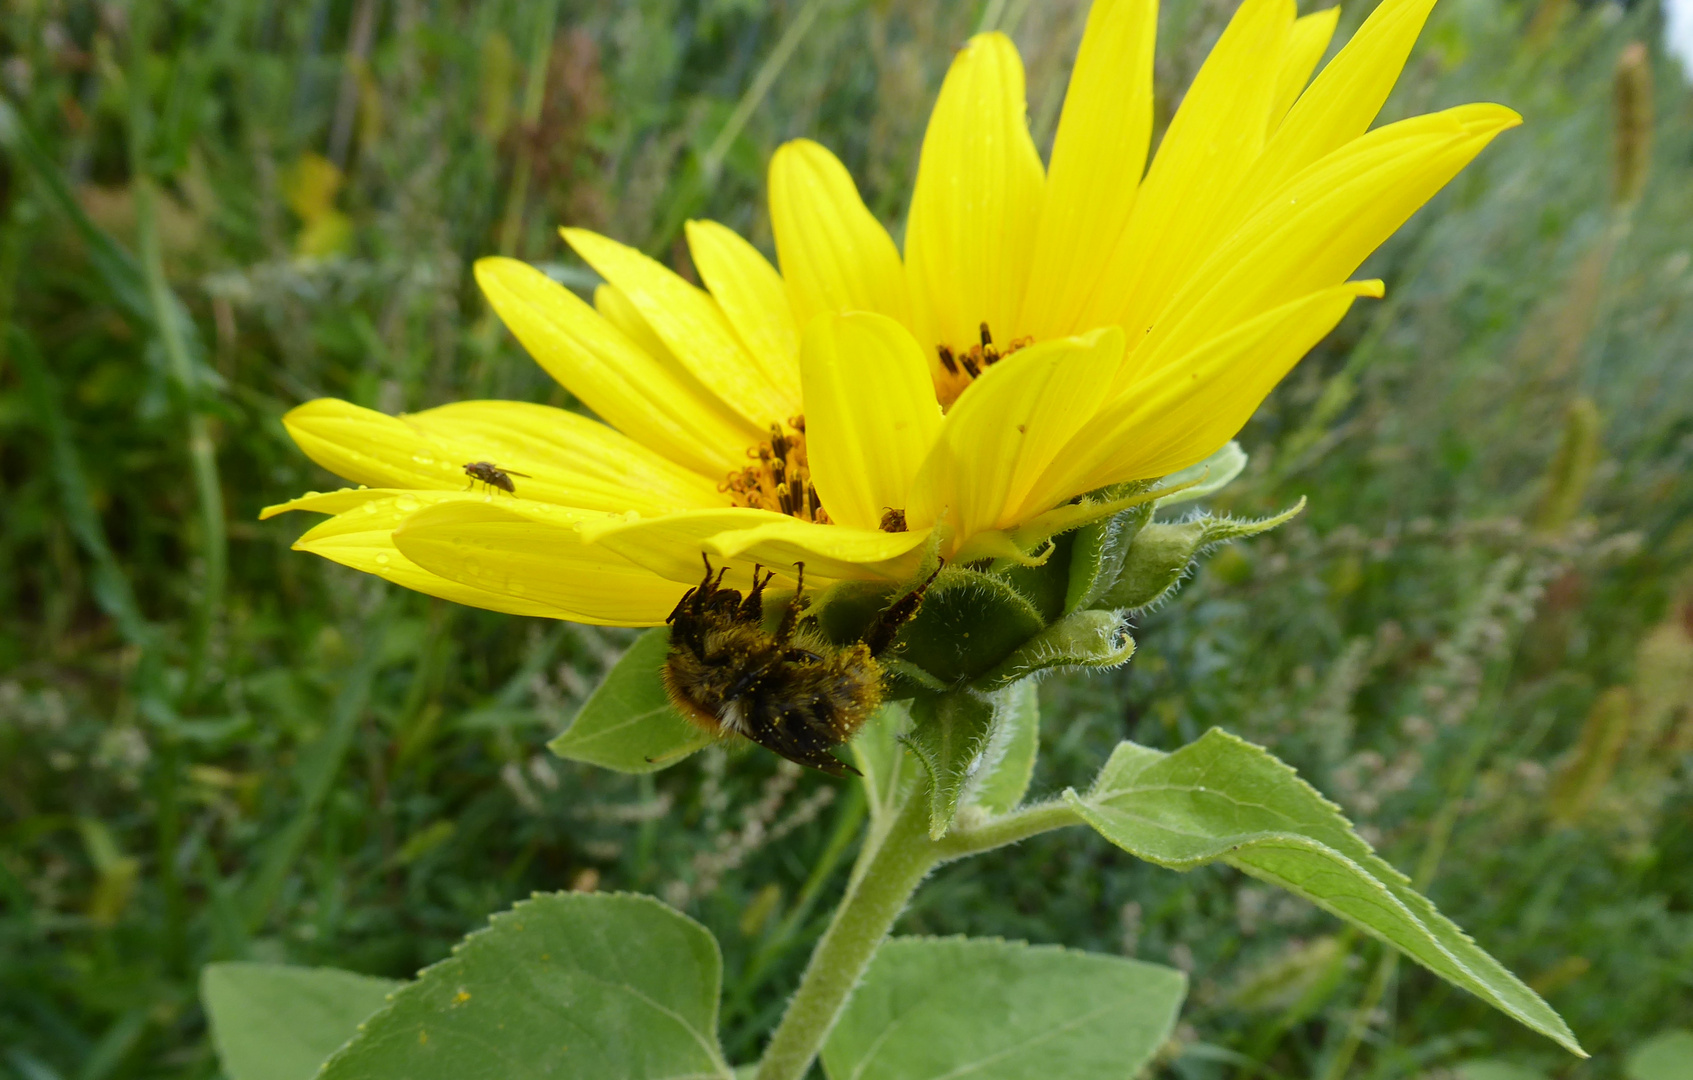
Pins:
x: 383, y: 559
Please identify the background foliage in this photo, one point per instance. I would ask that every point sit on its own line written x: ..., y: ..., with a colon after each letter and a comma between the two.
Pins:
x: 1478, y: 639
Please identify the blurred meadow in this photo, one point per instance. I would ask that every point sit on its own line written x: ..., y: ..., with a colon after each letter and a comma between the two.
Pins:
x: 1478, y: 638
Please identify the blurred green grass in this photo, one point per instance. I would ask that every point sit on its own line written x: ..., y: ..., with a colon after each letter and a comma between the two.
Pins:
x: 212, y: 748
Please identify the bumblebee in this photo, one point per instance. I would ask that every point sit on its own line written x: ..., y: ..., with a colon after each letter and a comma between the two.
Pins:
x: 790, y: 691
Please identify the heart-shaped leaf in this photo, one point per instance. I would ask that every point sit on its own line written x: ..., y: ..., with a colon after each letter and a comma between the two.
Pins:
x: 1223, y: 799
x: 564, y: 984
x: 628, y: 723
x: 275, y: 1022
x: 1001, y: 1010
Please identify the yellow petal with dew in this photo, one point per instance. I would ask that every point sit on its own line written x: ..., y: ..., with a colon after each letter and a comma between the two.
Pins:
x: 1003, y: 433
x: 657, y: 406
x: 1192, y: 407
x: 870, y: 414
x: 363, y: 538
x: 1211, y: 143
x: 689, y: 321
x: 552, y: 455
x: 1318, y: 229
x: 1346, y: 96
x: 977, y: 200
x: 1098, y: 156
x: 333, y: 502
x: 835, y: 255
x: 752, y: 297
x: 534, y: 559
x: 672, y: 546
x: 1306, y: 43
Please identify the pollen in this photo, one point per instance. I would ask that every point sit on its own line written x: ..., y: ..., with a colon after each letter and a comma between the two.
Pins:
x: 964, y: 367
x: 779, y: 478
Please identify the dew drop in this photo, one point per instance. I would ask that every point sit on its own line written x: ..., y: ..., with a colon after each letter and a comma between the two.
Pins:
x: 383, y: 559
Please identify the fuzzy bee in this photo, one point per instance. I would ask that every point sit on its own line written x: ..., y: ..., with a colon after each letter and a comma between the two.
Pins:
x: 790, y: 691
x: 492, y: 475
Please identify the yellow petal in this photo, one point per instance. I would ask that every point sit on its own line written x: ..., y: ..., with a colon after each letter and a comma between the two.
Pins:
x: 1184, y: 413
x: 870, y: 414
x: 1212, y: 141
x: 658, y: 407
x: 1097, y: 160
x: 591, y: 465
x: 610, y: 302
x: 1345, y: 98
x: 672, y: 545
x: 835, y: 255
x: 552, y: 455
x: 689, y: 321
x: 1320, y: 227
x: 752, y: 297
x: 1005, y: 430
x: 499, y: 551
x: 977, y: 200
x: 828, y: 551
x: 332, y: 502
x: 1306, y: 44
x: 363, y: 539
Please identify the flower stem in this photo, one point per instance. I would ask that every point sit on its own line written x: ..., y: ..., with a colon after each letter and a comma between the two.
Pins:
x: 893, y: 863
x: 897, y: 856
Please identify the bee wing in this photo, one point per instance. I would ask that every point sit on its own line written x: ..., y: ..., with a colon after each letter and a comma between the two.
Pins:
x: 795, y: 736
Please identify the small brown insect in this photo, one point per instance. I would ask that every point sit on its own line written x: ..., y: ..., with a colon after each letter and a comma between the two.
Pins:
x: 492, y: 475
x: 792, y: 691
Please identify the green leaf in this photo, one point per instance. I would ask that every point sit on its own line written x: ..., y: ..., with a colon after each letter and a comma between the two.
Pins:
x: 1206, y: 478
x: 1221, y: 798
x: 948, y: 734
x: 1161, y: 553
x: 274, y: 1022
x: 563, y: 984
x: 628, y: 723
x: 1097, y: 639
x: 1008, y: 762
x: 1667, y: 1055
x: 1001, y: 1010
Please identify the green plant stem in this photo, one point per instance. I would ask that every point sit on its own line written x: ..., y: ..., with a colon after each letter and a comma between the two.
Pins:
x: 897, y: 856
x: 1007, y: 829
x: 894, y: 861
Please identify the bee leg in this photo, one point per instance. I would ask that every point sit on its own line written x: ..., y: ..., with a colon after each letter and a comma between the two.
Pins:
x: 752, y: 608
x: 796, y: 608
x: 887, y: 626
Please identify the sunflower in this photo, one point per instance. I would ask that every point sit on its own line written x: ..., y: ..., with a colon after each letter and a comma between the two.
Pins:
x: 1047, y: 333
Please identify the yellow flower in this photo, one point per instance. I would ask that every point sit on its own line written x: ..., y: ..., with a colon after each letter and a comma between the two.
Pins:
x: 1049, y: 332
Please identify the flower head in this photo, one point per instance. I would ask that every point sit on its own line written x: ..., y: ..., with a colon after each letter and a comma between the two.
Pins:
x: 1049, y: 332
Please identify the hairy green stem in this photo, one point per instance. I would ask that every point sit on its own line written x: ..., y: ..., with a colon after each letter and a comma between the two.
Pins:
x: 892, y: 864
x: 897, y: 856
x: 1006, y: 829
